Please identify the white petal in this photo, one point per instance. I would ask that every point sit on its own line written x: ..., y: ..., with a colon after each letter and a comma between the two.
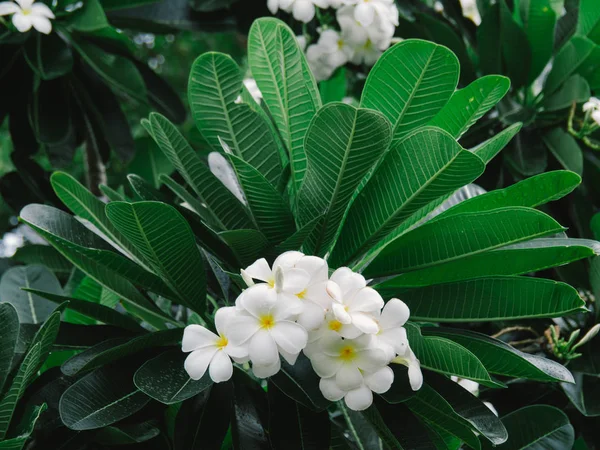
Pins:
x: 396, y: 337
x: 371, y: 360
x: 596, y: 116
x: 332, y: 343
x: 262, y: 349
x: 395, y: 314
x: 238, y: 352
x: 40, y: 9
x: 295, y: 280
x: 25, y: 4
x: 289, y: 336
x: 348, y: 377
x: 260, y: 270
x: 195, y: 337
x: 304, y: 10
x: 266, y: 371
x: 287, y: 260
x: 340, y: 313
x: 364, y: 323
x: 380, y: 381
x: 8, y: 8
x: 222, y: 318
x: 364, y: 14
x: 197, y: 362
x: 349, y: 331
x: 241, y: 329
x: 334, y: 291
x: 325, y: 366
x: 273, y: 6
x: 21, y: 22
x: 312, y: 316
x: 259, y: 299
x: 289, y: 357
x: 330, y: 389
x: 329, y: 40
x: 316, y: 267
x: 415, y: 376
x: 288, y: 306
x: 359, y: 399
x: 220, y: 368
x: 247, y: 278
x: 317, y: 293
x: 367, y: 300
x: 341, y: 274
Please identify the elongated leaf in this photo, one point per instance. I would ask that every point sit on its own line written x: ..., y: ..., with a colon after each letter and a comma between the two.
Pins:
x: 270, y: 211
x: 289, y: 90
x: 215, y: 84
x: 547, y: 428
x: 94, y: 310
x: 468, y: 105
x: 24, y: 430
x: 249, y: 420
x: 518, y: 259
x: 492, y: 298
x: 164, y: 379
x: 45, y: 255
x: 247, y: 245
x: 226, y: 212
x: 574, y: 90
x: 73, y: 241
x: 101, y: 398
x: 539, y: 21
x: 165, y: 239
x: 9, y: 333
x: 297, y: 240
x: 589, y: 20
x: 423, y: 167
x: 490, y: 148
x: 388, y: 438
x: 450, y: 239
x: 502, y: 359
x: 410, y: 84
x: 342, y: 144
x: 445, y: 356
x: 27, y: 370
x: 30, y: 307
x: 583, y: 393
x: 568, y: 61
x: 565, y: 149
x: 112, y: 350
x: 126, y: 434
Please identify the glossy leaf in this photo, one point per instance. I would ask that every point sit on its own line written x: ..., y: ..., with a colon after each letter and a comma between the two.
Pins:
x: 583, y: 393
x: 489, y: 149
x: 565, y: 149
x: 589, y: 20
x: 410, y: 84
x: 45, y: 255
x: 249, y: 420
x: 49, y: 56
x: 25, y: 429
x: 574, y: 90
x: 539, y: 21
x: 9, y: 329
x: 568, y: 61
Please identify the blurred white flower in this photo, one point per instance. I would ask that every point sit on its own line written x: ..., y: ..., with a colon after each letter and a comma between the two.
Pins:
x: 253, y: 89
x: 592, y: 106
x: 470, y: 10
x: 302, y: 10
x: 469, y: 385
x: 366, y: 11
x: 211, y: 351
x: 27, y: 14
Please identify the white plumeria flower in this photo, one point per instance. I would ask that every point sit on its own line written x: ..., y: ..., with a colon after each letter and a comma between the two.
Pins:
x: 266, y: 327
x: 315, y: 55
x: 346, y: 360
x: 329, y: 325
x: 415, y: 376
x: 366, y: 11
x: 592, y: 106
x: 302, y: 10
x: 360, y: 398
x: 335, y: 47
x: 27, y: 14
x: 211, y: 351
x: 470, y: 10
x: 380, y: 32
x: 354, y: 302
x: 391, y: 336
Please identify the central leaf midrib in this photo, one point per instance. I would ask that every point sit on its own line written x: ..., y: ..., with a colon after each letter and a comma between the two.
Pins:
x: 105, y: 407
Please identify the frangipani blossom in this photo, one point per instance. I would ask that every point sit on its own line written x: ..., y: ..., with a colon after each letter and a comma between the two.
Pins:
x: 266, y: 326
x: 391, y: 337
x: 27, y: 14
x: 415, y: 376
x: 302, y: 10
x: 592, y: 106
x: 367, y: 11
x: 211, y: 351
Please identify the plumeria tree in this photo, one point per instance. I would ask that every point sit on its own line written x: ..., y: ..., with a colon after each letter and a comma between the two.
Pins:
x: 317, y: 281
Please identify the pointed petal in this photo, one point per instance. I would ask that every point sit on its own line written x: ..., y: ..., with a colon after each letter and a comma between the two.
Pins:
x: 220, y: 368
x: 348, y: 377
x: 289, y: 336
x: 262, y: 349
x: 197, y: 362
x: 359, y: 399
x: 39, y: 9
x: 7, y: 8
x: 260, y: 270
x: 380, y: 381
x: 247, y: 278
x: 196, y: 337
x: 330, y: 389
x: 289, y: 357
x: 395, y: 314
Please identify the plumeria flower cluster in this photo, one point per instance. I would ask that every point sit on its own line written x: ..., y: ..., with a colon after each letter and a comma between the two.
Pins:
x: 592, y: 108
x: 341, y: 324
x: 26, y: 15
x: 366, y: 29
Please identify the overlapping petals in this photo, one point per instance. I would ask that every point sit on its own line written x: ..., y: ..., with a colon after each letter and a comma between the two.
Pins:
x: 26, y: 15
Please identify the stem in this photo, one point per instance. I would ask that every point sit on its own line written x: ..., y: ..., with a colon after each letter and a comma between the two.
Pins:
x: 516, y: 328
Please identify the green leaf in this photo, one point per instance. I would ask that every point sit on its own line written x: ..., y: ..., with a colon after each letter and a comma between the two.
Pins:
x: 101, y: 398
x: 288, y: 87
x: 583, y: 393
x: 355, y: 429
x: 447, y: 357
x: 450, y: 239
x: 25, y: 429
x: 376, y: 420
x: 297, y: 240
x: 565, y: 149
x: 461, y: 301
x: 45, y: 255
x: 249, y: 419
x: 109, y: 351
x: 96, y: 311
x: 342, y: 144
x: 87, y: 206
x: 150, y: 162
x: 214, y: 85
x: 547, y: 428
x: 334, y: 89
x: 126, y: 434
x: 30, y: 308
x: 9, y: 324
x: 539, y: 21
x: 424, y: 166
x: 90, y: 17
x: 502, y: 359
x: 574, y: 90
x: 164, y: 379
x: 517, y: 259
x: 165, y: 239
x: 270, y: 211
x: 468, y: 105
x: 247, y: 245
x: 432, y: 408
x: 29, y: 366
x: 226, y: 212
x: 589, y: 20
x: 567, y: 62
x: 410, y: 84
x: 49, y: 56
x: 489, y: 149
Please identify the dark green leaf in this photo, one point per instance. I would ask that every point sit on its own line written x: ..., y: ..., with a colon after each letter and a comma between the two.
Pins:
x: 49, y: 56
x: 45, y: 255
x: 9, y: 333
x: 565, y: 149
x: 249, y: 421
x: 539, y: 20
x: 574, y: 90
x: 489, y: 149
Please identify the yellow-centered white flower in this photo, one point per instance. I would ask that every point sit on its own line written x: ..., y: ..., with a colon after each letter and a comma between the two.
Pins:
x: 27, y: 14
x: 409, y: 359
x: 391, y: 336
x: 211, y: 351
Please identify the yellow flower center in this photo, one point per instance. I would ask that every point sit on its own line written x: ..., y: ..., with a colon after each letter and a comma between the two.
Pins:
x: 301, y: 295
x: 340, y: 43
x: 335, y: 325
x: 271, y: 283
x: 26, y: 12
x: 222, y: 342
x: 267, y: 321
x: 347, y: 353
